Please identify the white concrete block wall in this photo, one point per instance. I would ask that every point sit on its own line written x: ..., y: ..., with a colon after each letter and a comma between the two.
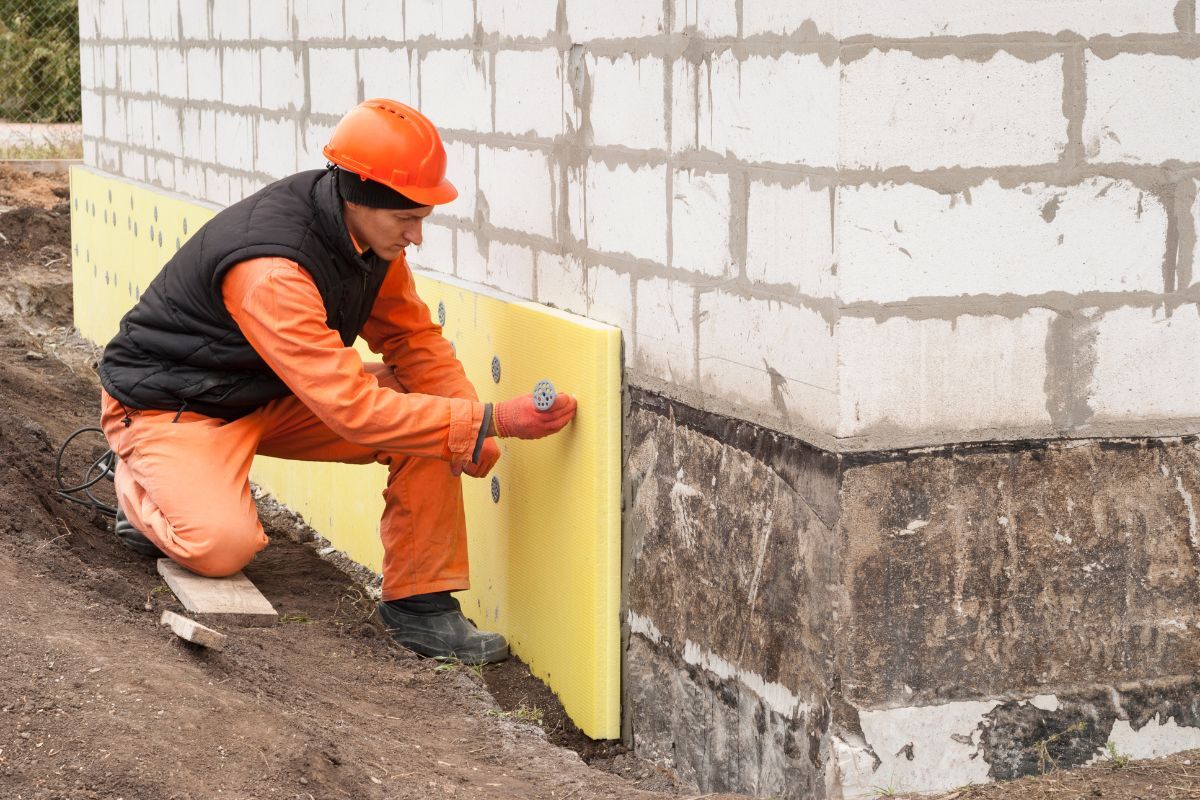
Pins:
x: 869, y: 225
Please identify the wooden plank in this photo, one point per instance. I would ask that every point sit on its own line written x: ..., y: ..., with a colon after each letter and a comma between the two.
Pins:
x: 234, y: 599
x: 192, y: 631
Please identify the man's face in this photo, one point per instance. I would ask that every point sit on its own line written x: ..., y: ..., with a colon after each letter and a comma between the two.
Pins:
x: 386, y: 231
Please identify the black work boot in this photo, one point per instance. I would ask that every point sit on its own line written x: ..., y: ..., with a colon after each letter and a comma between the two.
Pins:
x: 134, y: 539
x: 433, y: 625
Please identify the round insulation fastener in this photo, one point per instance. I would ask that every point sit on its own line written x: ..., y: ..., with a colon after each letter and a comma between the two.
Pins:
x: 495, y: 489
x: 495, y: 369
x: 544, y: 395
x: 442, y: 314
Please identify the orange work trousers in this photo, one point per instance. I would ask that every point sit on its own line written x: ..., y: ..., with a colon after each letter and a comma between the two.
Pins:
x: 183, y: 481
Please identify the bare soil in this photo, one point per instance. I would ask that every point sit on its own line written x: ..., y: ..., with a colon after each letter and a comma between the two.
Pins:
x: 98, y: 702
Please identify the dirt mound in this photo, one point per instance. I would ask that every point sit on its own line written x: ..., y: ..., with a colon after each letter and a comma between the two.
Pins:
x: 19, y: 188
x: 30, y: 229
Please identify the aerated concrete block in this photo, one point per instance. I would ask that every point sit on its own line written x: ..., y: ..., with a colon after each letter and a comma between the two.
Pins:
x: 456, y: 90
x: 142, y: 77
x: 772, y: 18
x: 905, y: 241
x: 510, y: 268
x: 332, y: 80
x: 1142, y: 108
x: 203, y: 66
x: 139, y: 123
x: 627, y: 102
x: 530, y: 93
x: 561, y: 281
x: 519, y: 18
x: 700, y: 223
x: 610, y: 299
x: 1145, y: 365
x: 790, y: 237
x: 445, y: 20
x: 193, y: 20
x: 460, y: 170
x: 164, y: 20
x: 241, y: 81
x: 168, y: 135
x: 924, y: 376
x: 375, y: 19
x: 231, y: 19
x: 436, y: 251
x: 276, y: 151
x: 235, y: 139
x: 920, y: 18
x: 771, y: 360
x: 744, y: 104
x: 172, y: 72
x: 708, y: 18
x: 271, y: 22
x: 622, y: 19
x: 666, y: 338
x: 470, y: 258
x: 386, y: 72
x: 900, y: 109
x: 318, y: 19
x: 615, y: 222
x: 283, y: 79
x: 517, y: 185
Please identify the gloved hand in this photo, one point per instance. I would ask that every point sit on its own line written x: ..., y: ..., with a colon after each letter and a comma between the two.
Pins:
x: 519, y: 417
x: 489, y: 454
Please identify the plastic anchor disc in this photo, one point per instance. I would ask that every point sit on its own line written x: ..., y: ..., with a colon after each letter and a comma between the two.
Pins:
x: 544, y: 395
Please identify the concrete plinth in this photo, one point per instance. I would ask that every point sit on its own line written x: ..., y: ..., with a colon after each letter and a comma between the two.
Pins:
x: 807, y: 624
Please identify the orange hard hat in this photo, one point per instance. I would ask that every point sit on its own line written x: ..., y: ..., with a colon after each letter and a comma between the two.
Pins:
x: 396, y: 145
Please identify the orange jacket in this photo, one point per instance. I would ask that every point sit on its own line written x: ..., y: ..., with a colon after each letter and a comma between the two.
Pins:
x: 279, y: 310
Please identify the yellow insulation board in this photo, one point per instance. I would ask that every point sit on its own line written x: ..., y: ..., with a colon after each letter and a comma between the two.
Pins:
x: 545, y: 557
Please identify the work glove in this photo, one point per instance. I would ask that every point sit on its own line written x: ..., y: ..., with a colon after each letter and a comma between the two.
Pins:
x: 520, y: 418
x: 489, y: 454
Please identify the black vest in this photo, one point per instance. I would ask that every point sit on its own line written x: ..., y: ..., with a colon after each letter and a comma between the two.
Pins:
x: 178, y: 347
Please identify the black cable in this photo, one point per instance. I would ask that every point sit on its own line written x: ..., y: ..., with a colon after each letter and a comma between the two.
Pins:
x: 107, y: 464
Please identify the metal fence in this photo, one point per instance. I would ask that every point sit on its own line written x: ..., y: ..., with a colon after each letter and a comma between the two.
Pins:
x: 39, y: 61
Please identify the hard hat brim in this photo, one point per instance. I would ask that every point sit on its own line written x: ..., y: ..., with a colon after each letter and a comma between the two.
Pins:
x: 438, y: 195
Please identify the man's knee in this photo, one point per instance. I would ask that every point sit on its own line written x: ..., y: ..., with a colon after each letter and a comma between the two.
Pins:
x: 223, y: 550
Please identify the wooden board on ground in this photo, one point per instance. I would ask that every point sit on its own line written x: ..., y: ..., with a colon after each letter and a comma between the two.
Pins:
x: 234, y: 599
x: 192, y: 631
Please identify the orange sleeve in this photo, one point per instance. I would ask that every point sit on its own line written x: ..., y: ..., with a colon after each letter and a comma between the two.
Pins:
x: 279, y: 310
x: 402, y: 331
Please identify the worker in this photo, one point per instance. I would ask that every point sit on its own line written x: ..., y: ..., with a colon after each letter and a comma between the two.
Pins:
x: 242, y: 345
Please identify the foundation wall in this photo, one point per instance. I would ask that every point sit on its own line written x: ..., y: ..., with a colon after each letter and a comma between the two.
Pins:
x: 803, y: 624
x: 844, y: 241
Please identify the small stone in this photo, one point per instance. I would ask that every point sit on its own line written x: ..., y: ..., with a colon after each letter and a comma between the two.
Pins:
x: 148, y: 606
x: 303, y: 781
x: 24, y: 734
x: 33, y: 355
